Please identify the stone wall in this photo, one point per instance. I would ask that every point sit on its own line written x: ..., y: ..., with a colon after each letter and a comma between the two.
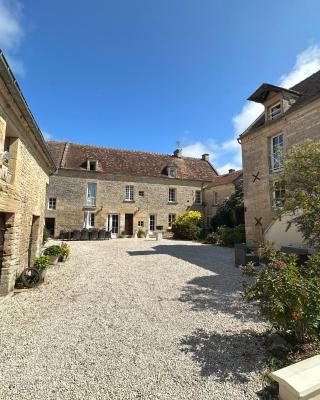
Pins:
x: 256, y: 149
x: 22, y: 200
x: 69, y: 188
x: 224, y: 191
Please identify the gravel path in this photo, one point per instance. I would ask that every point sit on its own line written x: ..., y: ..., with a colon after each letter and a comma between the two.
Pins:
x: 133, y: 319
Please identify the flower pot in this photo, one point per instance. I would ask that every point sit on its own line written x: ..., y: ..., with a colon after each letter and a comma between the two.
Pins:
x: 54, y: 259
x: 43, y: 275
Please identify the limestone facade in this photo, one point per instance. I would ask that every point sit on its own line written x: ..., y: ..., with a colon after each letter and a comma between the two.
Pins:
x: 25, y: 164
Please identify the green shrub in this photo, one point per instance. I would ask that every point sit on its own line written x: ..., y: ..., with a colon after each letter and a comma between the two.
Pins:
x: 141, y: 233
x: 42, y: 262
x: 228, y: 236
x: 211, y: 238
x: 46, y: 235
x: 54, y: 250
x: 288, y: 293
x: 188, y: 226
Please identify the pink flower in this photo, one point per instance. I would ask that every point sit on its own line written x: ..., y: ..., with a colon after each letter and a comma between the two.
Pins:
x: 295, y: 316
x: 280, y: 264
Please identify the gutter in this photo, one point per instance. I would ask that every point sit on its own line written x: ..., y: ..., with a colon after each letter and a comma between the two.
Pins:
x: 15, y: 91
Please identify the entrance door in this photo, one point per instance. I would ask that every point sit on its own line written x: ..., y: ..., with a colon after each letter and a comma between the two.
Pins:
x: 113, y: 224
x: 49, y: 224
x: 128, y: 224
x: 33, y: 239
x: 152, y: 223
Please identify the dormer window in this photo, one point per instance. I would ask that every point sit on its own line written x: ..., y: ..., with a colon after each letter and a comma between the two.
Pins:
x: 92, y: 164
x: 172, y: 172
x: 275, y: 111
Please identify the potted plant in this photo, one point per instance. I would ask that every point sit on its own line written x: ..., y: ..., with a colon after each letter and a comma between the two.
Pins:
x: 65, y: 251
x: 42, y: 263
x: 141, y: 233
x: 53, y: 252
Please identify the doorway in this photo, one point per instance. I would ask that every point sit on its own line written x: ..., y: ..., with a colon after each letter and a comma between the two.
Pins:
x: 152, y: 223
x: 128, y: 224
x: 33, y: 239
x: 113, y: 224
x: 50, y: 225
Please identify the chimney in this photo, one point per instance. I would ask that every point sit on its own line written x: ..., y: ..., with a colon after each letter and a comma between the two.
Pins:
x: 177, y: 153
x: 205, y: 157
x: 231, y: 170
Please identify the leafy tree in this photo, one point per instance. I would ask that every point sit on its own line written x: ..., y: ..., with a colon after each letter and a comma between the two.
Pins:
x: 231, y: 211
x: 302, y: 182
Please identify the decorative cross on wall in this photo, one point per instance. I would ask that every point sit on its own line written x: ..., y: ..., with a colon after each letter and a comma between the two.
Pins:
x: 258, y: 221
x: 256, y: 177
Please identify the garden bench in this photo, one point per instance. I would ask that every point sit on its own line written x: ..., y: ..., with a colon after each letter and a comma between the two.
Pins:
x: 299, y: 381
x: 301, y: 253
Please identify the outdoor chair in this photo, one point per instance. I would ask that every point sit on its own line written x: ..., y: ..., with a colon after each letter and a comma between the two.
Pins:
x: 76, y: 235
x: 108, y: 234
x: 93, y: 234
x: 84, y: 234
x: 102, y: 234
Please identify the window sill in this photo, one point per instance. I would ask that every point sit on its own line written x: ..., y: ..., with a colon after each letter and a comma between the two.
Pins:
x: 128, y: 201
x: 172, y: 202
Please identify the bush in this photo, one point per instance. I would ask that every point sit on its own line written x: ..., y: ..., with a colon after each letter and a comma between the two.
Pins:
x: 288, y: 293
x: 46, y: 235
x: 211, y: 238
x: 188, y: 225
x: 42, y: 262
x: 229, y: 236
x: 141, y: 233
x: 54, y: 250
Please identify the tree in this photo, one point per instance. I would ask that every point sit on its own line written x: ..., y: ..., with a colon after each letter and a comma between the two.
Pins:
x: 302, y: 196
x: 231, y: 211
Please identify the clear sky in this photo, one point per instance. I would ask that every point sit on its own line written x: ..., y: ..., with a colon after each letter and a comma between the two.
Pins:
x: 144, y: 74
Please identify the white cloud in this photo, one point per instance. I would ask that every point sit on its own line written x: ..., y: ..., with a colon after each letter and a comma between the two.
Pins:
x: 47, y: 135
x: 227, y: 155
x: 307, y: 63
x: 11, y: 32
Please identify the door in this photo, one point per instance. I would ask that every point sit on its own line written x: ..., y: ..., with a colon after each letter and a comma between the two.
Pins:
x: 34, y: 242
x: 113, y: 224
x: 49, y: 224
x: 128, y: 224
x: 152, y: 223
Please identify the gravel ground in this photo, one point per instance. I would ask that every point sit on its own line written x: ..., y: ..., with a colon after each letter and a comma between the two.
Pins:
x: 133, y: 319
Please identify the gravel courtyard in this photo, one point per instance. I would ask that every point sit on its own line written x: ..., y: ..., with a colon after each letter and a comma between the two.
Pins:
x: 133, y: 319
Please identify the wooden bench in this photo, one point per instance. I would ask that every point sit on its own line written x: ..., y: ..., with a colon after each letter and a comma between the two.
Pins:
x: 299, y: 381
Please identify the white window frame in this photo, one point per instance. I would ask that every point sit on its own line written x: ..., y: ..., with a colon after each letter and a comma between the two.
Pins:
x: 172, y: 172
x: 129, y: 193
x: 94, y: 162
x: 89, y: 219
x: 154, y: 222
x: 196, y: 199
x: 115, y: 228
x: 172, y: 195
x: 215, y: 198
x: 91, y: 194
x: 277, y: 114
x: 274, y: 161
x: 171, y: 218
x: 52, y: 203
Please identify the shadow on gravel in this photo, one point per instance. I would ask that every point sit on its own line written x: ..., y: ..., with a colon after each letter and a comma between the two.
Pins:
x: 226, y: 357
x: 218, y: 291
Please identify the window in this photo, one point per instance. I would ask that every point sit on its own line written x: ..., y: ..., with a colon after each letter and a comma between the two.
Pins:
x: 113, y: 223
x: 52, y: 203
x: 278, y: 194
x: 89, y: 219
x: 171, y: 218
x: 152, y: 223
x: 92, y: 165
x: 198, y: 196
x: 172, y: 172
x: 275, y: 111
x: 277, y: 152
x: 215, y: 198
x: 141, y: 224
x: 172, y: 195
x: 129, y: 193
x: 141, y: 193
x: 91, y: 194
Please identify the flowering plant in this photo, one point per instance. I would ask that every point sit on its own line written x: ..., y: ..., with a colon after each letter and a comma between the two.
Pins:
x: 288, y: 293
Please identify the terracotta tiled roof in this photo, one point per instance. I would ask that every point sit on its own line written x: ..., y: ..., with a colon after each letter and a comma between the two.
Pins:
x: 127, y: 162
x: 308, y: 90
x: 226, y: 178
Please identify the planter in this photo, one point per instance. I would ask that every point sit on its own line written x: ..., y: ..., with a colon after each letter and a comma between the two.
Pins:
x: 54, y: 259
x: 43, y: 275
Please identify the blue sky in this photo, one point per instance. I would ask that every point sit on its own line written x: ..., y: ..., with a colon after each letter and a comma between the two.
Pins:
x: 144, y: 74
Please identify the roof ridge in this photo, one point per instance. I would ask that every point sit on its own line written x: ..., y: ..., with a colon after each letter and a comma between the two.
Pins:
x: 305, y: 79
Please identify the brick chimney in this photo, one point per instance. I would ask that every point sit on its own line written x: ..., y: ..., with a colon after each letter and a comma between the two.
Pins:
x: 205, y: 157
x: 178, y: 153
x: 231, y: 170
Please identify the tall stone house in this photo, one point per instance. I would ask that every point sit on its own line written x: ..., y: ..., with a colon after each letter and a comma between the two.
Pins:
x: 290, y: 116
x: 121, y: 190
x: 25, y: 165
x: 217, y: 191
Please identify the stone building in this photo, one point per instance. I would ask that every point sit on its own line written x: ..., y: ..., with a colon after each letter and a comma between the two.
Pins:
x: 25, y: 164
x: 122, y: 190
x: 217, y: 191
x: 290, y: 116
